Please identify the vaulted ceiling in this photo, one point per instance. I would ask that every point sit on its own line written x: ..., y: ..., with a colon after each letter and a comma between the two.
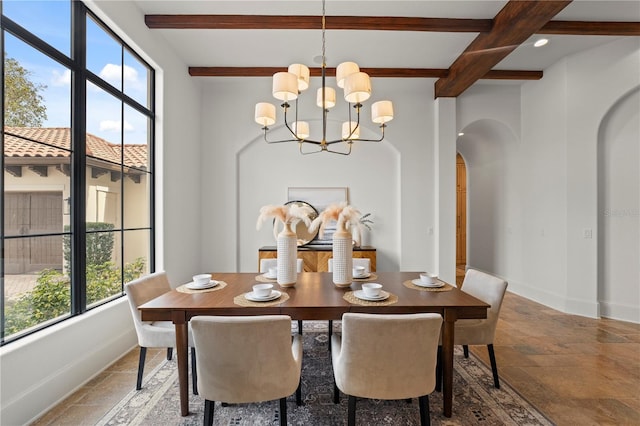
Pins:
x: 457, y: 43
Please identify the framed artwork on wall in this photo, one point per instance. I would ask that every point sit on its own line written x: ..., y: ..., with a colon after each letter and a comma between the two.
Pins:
x: 319, y: 198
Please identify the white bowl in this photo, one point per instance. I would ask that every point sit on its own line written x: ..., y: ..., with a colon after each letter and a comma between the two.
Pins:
x: 201, y: 279
x: 428, y: 278
x: 359, y: 271
x: 371, y: 289
x: 262, y: 290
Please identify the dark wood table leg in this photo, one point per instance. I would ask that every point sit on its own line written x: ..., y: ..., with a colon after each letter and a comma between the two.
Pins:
x: 182, y: 349
x: 447, y: 360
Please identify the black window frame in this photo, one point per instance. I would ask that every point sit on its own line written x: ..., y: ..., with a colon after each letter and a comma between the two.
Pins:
x: 80, y: 76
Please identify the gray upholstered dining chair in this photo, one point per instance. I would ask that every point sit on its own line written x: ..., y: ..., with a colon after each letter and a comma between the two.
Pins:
x: 386, y: 357
x: 156, y: 334
x: 247, y: 359
x: 491, y: 290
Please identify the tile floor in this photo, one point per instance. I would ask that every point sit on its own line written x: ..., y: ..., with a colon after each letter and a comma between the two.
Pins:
x: 577, y: 371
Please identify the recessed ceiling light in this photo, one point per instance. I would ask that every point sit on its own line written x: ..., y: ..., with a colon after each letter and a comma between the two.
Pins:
x: 541, y: 42
x: 461, y: 134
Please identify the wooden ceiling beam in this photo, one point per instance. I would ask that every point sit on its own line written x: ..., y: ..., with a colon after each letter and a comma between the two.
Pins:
x: 306, y: 22
x: 373, y: 72
x: 591, y: 28
x: 381, y: 23
x: 514, y: 24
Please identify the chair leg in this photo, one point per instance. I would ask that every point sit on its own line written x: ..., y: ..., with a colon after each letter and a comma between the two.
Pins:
x: 299, y: 394
x: 208, y: 412
x: 494, y: 366
x: 330, y: 333
x: 351, y: 417
x: 283, y: 411
x: 336, y: 393
x: 425, y: 417
x: 439, y: 369
x: 465, y: 351
x: 143, y: 354
x: 194, y: 374
x: 299, y: 326
x: 169, y: 354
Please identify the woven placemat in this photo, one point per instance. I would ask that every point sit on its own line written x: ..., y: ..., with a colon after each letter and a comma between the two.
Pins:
x: 261, y: 278
x: 240, y: 300
x: 371, y: 277
x: 184, y: 289
x: 411, y: 285
x: 351, y: 298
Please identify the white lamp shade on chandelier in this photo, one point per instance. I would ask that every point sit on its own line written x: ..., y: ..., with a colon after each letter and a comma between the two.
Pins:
x: 300, y: 129
x: 265, y: 114
x: 345, y: 69
x: 285, y: 86
x: 357, y: 87
x: 302, y: 75
x: 382, y: 112
x: 349, y: 126
x: 329, y: 97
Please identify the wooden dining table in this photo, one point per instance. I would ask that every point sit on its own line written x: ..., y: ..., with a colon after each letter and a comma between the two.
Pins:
x: 314, y: 297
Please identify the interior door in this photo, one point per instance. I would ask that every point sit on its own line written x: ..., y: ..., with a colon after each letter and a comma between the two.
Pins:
x: 461, y: 211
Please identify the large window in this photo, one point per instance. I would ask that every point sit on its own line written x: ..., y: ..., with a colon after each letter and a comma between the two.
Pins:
x: 77, y: 142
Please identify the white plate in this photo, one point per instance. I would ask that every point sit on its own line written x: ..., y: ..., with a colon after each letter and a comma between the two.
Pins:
x: 269, y: 277
x: 252, y: 297
x: 194, y: 286
x: 419, y: 283
x: 363, y: 276
x: 360, y: 295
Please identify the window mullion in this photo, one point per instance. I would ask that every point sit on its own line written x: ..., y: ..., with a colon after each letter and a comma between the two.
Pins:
x: 79, y: 160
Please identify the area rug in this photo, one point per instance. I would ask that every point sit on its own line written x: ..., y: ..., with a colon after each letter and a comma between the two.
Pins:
x: 476, y: 401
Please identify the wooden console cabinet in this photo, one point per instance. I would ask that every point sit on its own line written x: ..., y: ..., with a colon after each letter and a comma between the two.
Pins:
x: 316, y: 259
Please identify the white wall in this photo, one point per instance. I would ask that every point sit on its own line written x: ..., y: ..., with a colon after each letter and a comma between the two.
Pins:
x: 393, y: 180
x: 619, y: 210
x: 536, y: 189
x: 40, y: 370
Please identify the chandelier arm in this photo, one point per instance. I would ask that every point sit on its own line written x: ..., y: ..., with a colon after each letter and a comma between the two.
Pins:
x: 285, y: 107
x: 350, y: 144
x: 266, y: 129
x: 309, y: 152
x: 382, y: 127
x: 357, y: 107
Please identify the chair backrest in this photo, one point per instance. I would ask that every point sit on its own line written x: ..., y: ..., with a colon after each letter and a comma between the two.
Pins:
x: 265, y: 264
x: 245, y: 359
x: 357, y: 261
x: 488, y: 288
x: 387, y: 356
x: 143, y: 289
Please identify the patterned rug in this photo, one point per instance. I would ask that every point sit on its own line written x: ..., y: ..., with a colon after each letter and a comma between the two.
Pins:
x: 476, y: 401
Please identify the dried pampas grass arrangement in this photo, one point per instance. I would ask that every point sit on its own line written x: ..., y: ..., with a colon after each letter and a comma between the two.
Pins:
x: 344, y: 214
x: 286, y: 214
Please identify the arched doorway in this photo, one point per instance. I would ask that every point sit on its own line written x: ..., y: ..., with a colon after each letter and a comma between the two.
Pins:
x: 619, y: 210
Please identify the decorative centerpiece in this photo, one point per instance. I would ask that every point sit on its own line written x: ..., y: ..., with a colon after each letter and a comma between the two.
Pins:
x: 347, y: 218
x: 287, y: 241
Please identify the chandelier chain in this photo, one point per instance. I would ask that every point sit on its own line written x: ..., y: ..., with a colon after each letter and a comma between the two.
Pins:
x: 323, y: 35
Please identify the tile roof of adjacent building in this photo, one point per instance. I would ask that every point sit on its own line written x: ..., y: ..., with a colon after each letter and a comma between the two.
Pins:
x: 23, y: 142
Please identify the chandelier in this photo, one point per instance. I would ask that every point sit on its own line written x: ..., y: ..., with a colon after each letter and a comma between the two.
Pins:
x: 287, y: 86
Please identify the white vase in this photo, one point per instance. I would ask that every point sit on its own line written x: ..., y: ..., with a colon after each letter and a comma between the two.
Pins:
x: 342, y: 257
x: 287, y: 247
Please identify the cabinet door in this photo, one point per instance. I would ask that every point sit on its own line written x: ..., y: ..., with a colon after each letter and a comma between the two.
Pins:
x: 309, y: 260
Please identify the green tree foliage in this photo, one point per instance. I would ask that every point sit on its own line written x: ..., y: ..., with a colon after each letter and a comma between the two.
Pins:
x: 24, y: 105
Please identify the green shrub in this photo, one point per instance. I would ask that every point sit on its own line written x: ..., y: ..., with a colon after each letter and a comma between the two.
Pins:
x: 51, y: 296
x: 99, y: 244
